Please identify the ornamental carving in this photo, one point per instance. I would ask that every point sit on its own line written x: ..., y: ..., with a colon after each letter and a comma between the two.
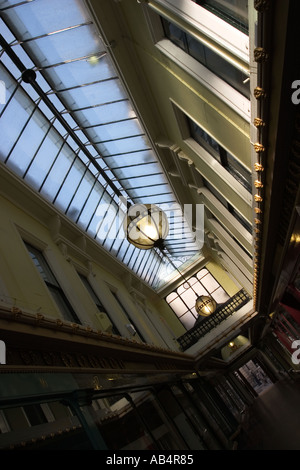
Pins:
x: 258, y: 184
x: 62, y: 359
x: 258, y: 122
x: 259, y: 148
x: 258, y: 167
x: 260, y: 54
x: 261, y: 5
x: 259, y: 93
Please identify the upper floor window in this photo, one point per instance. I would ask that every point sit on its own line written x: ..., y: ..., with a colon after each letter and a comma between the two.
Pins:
x: 229, y: 207
x: 228, y: 161
x: 207, y: 57
x: 131, y: 322
x: 182, y: 300
x: 234, y: 12
x: 52, y: 284
x: 98, y: 302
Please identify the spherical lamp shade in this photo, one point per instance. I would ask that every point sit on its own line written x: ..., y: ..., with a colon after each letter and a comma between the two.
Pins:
x: 205, y: 305
x: 146, y: 226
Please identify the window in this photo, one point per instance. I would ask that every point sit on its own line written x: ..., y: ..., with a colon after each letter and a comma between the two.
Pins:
x: 228, y: 206
x: 129, y: 318
x: 52, y: 284
x: 98, y: 302
x: 234, y: 12
x: 207, y: 57
x: 182, y: 300
x: 228, y: 161
x: 35, y: 414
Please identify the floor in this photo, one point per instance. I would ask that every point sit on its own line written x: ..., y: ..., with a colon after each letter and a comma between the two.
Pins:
x: 273, y: 421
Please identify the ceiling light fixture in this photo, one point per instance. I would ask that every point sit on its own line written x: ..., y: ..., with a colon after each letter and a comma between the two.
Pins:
x: 146, y: 227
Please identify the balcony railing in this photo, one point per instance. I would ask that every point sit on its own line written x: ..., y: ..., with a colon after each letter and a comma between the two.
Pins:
x: 206, y: 325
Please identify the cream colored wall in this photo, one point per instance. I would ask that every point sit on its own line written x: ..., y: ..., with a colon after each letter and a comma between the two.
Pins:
x: 22, y: 286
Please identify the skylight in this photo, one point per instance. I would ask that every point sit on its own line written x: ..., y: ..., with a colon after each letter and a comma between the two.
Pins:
x: 73, y: 134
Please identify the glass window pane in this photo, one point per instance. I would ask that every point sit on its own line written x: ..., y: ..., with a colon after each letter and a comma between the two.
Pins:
x: 209, y: 282
x: 42, y: 17
x: 189, y: 298
x: 18, y: 112
x: 175, y: 34
x: 98, y: 93
x: 81, y: 72
x: 44, y: 158
x: 58, y: 171
x: 178, y: 306
x: 63, y: 305
x: 188, y: 320
x: 235, y: 12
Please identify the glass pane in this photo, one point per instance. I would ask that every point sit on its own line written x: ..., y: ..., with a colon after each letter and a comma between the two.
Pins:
x: 202, y: 273
x: 235, y: 12
x: 209, y: 282
x: 41, y: 265
x: 81, y: 72
x: 227, y: 72
x: 175, y: 34
x: 63, y: 305
x: 42, y: 17
x: 58, y: 48
x: 188, y: 320
x: 98, y: 93
x: 178, y: 306
x: 104, y: 113
x: 189, y: 298
x: 57, y: 173
x: 18, y: 112
x: 90, y: 116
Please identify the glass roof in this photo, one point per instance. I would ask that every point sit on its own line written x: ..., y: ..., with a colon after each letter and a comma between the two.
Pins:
x: 73, y: 135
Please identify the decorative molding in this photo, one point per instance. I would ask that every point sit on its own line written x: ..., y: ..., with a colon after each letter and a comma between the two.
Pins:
x: 258, y: 122
x: 261, y: 5
x: 259, y: 93
x: 260, y: 54
x: 77, y: 347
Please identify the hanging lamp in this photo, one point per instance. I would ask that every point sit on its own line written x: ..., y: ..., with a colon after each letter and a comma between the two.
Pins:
x: 205, y: 305
x: 146, y: 227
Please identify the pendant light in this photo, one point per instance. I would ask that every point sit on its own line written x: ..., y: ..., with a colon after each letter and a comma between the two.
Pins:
x: 205, y: 305
x: 146, y: 227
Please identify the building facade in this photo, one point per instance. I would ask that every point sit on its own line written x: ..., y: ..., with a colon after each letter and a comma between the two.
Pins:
x: 191, y: 106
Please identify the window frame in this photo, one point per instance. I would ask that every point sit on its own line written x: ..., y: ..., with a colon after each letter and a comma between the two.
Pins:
x: 180, y: 286
x: 53, y: 285
x: 215, y: 29
x: 95, y: 297
x: 225, y: 92
x: 221, y: 155
x: 208, y: 53
x: 182, y: 121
